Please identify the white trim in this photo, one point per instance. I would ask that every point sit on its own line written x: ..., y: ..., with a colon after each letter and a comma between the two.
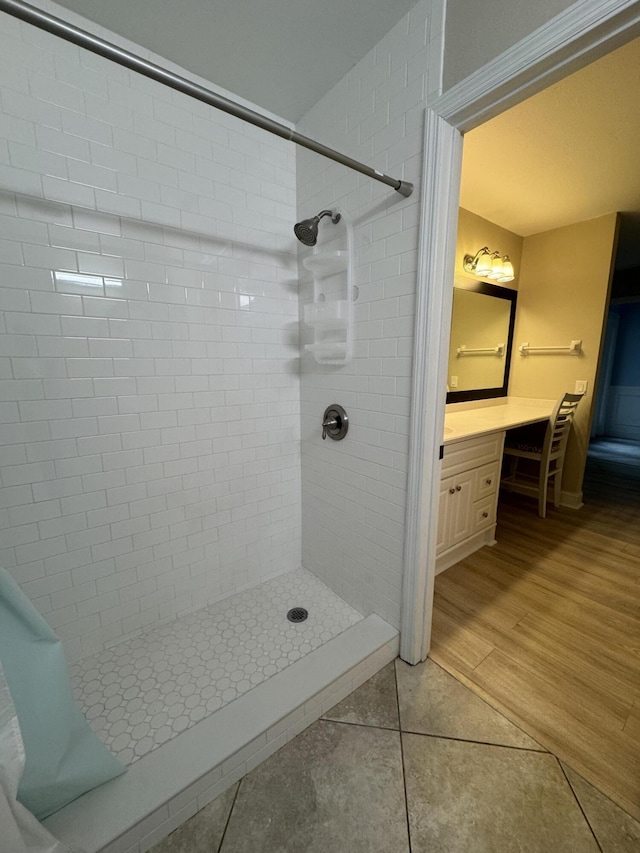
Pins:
x: 580, y: 34
x: 465, y: 549
x: 440, y: 193
x: 583, y: 32
x: 571, y: 500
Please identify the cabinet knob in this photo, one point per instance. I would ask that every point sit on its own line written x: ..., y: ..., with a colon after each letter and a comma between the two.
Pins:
x: 485, y: 515
x: 489, y: 481
x: 458, y: 488
x: 452, y: 491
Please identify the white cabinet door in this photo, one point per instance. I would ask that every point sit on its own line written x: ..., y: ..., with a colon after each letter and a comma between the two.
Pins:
x: 462, y: 521
x: 455, y: 519
x: 447, y: 494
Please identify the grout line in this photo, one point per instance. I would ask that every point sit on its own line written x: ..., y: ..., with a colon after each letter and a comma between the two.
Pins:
x: 457, y: 676
x: 479, y: 742
x: 404, y: 775
x: 540, y: 751
x: 226, y: 826
x: 359, y: 725
x: 575, y: 796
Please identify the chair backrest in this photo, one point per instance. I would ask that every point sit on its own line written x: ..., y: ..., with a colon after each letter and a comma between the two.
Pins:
x: 557, y: 434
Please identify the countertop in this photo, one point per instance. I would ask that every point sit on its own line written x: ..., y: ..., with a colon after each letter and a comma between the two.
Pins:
x: 483, y: 419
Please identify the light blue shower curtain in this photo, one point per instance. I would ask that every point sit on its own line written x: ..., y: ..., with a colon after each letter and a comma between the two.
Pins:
x: 20, y: 832
x: 64, y: 758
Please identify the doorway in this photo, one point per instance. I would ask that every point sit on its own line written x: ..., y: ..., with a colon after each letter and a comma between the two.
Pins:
x: 439, y: 273
x: 506, y: 81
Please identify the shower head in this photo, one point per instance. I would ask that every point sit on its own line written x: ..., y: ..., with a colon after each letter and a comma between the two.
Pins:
x: 307, y: 230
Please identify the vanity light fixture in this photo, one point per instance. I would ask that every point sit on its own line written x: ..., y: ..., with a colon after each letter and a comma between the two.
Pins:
x: 488, y: 264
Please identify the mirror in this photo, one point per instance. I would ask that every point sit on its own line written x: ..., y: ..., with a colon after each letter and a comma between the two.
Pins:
x: 482, y: 324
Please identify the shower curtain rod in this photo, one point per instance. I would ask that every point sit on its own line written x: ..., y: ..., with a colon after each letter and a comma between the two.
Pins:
x: 82, y: 38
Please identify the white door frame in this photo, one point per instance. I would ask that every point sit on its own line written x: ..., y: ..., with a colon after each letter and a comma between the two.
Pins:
x: 582, y: 33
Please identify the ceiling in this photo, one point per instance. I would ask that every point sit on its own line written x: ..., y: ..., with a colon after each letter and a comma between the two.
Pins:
x: 568, y: 154
x: 282, y: 55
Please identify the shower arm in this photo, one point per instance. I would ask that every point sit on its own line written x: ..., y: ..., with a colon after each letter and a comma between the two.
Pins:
x: 82, y: 38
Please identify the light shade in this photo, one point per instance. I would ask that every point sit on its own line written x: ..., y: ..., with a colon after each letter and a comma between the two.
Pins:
x: 507, y: 273
x: 496, y: 269
x: 484, y: 264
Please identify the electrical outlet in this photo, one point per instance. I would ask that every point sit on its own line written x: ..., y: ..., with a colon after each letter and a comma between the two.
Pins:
x: 581, y: 386
x: 454, y: 382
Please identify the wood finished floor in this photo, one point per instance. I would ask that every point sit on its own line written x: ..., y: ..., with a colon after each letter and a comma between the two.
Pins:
x: 546, y: 626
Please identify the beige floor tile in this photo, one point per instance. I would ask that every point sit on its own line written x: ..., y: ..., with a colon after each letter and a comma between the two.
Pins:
x: 616, y: 831
x: 336, y: 788
x: 477, y: 798
x: 203, y: 832
x: 433, y: 702
x: 373, y: 704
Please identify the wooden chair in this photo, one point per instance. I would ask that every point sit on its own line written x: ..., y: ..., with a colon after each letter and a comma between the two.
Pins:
x: 548, y: 452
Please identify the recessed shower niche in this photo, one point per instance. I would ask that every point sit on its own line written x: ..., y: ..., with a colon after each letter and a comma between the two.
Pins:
x: 330, y: 314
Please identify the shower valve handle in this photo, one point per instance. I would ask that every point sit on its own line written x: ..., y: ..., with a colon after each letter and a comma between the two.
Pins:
x: 335, y: 422
x: 328, y: 424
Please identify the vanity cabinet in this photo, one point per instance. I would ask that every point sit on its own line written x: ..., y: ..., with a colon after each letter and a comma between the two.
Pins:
x: 468, y: 497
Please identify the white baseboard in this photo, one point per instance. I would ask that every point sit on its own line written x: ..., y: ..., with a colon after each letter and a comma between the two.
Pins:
x: 571, y: 500
x: 464, y: 549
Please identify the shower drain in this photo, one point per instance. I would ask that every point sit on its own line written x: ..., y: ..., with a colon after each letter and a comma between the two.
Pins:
x: 297, y: 614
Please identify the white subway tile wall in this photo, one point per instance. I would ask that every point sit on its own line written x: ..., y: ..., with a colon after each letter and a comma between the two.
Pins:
x: 149, y: 379
x: 353, y: 492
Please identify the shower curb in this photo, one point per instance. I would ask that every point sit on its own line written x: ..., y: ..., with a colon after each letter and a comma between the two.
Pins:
x: 135, y: 811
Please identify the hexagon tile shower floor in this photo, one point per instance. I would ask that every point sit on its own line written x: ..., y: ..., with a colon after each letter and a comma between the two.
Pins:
x: 142, y: 692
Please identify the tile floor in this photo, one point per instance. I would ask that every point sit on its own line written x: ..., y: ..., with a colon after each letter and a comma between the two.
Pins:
x: 144, y: 691
x: 411, y: 762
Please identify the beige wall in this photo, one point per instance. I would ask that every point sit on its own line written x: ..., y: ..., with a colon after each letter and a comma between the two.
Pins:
x: 563, y: 296
x: 479, y: 32
x: 474, y: 232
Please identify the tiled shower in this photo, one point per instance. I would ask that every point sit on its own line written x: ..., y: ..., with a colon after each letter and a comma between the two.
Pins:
x: 160, y: 426
x: 150, y: 391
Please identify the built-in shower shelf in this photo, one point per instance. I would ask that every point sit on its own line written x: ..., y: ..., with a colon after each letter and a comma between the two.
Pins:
x: 327, y: 315
x: 325, y: 262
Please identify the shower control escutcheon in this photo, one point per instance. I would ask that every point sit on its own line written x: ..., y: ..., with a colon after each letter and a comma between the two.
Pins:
x: 335, y: 422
